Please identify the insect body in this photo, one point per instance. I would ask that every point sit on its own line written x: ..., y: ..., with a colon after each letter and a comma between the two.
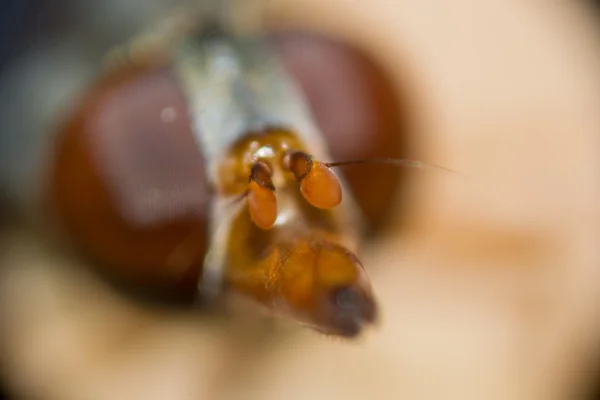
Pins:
x: 287, y: 252
x: 137, y: 159
x: 289, y: 243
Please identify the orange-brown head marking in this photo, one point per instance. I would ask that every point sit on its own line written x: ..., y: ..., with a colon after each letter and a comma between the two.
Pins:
x: 318, y: 184
x: 305, y: 275
x: 262, y: 202
x: 300, y: 265
x: 333, y: 285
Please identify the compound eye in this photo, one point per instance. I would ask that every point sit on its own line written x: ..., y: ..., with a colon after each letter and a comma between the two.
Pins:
x: 127, y: 179
x: 359, y: 112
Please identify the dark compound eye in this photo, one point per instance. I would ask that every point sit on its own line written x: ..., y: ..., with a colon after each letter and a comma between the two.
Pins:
x: 128, y: 180
x: 358, y: 112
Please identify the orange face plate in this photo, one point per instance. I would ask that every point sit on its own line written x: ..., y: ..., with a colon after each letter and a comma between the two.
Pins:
x: 300, y: 265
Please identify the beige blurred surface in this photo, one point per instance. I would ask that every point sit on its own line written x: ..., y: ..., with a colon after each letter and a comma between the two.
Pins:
x: 490, y: 290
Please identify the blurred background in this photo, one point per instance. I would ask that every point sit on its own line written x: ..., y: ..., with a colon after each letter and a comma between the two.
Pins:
x: 489, y: 286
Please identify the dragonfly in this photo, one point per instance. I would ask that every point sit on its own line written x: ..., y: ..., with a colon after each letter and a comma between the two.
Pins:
x: 216, y: 130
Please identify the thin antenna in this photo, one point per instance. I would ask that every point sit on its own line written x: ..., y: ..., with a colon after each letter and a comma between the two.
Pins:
x: 237, y: 199
x: 400, y: 162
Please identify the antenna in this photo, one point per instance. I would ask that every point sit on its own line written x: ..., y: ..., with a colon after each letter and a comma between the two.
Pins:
x: 399, y: 162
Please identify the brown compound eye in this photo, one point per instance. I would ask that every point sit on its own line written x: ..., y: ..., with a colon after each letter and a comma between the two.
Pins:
x: 358, y: 112
x: 127, y: 181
